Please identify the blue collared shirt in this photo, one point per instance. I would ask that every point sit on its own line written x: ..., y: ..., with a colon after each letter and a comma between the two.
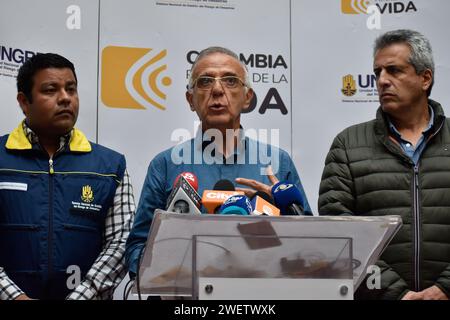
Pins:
x: 248, y: 161
x: 413, y: 152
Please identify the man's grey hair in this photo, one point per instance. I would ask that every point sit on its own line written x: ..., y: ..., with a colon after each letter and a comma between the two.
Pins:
x: 211, y: 50
x: 421, y: 56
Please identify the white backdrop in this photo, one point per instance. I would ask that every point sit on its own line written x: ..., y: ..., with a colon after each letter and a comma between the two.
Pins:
x: 327, y: 45
x: 300, y: 50
x: 142, y: 133
x: 41, y: 26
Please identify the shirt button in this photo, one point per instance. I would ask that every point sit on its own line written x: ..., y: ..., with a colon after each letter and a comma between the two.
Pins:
x: 408, y: 145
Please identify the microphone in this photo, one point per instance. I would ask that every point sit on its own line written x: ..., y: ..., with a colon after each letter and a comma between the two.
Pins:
x: 190, y: 177
x: 222, y: 190
x: 238, y: 204
x: 288, y: 198
x: 225, y: 185
x: 262, y: 204
x: 184, y: 197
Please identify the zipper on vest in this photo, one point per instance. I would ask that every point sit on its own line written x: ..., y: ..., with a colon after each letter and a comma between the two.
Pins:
x: 50, y: 166
x: 50, y: 217
x: 416, y: 231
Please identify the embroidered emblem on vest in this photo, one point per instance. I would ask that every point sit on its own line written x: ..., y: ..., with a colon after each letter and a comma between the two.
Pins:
x: 87, y: 195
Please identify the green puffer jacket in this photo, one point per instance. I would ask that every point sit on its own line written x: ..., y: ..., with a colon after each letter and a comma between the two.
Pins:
x: 367, y: 173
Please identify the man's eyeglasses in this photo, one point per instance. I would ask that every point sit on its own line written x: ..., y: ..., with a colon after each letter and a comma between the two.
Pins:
x: 207, y: 82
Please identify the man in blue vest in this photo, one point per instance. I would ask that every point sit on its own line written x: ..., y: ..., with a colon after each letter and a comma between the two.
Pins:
x: 66, y: 204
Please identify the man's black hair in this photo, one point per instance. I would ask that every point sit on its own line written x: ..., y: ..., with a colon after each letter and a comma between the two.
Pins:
x: 36, y: 63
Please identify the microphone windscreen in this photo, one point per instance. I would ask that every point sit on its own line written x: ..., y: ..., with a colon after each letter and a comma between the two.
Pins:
x: 285, y: 194
x: 238, y: 204
x: 224, y: 185
x: 190, y: 178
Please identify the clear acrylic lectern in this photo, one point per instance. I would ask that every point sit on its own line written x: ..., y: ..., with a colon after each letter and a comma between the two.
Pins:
x: 232, y: 257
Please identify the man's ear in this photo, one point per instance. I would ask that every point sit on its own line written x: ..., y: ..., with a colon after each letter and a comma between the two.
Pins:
x: 248, y: 98
x: 24, y: 103
x: 427, y: 76
x: 189, y: 98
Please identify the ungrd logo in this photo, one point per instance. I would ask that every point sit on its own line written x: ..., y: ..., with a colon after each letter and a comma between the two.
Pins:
x: 87, y: 195
x: 354, y: 6
x: 132, y: 78
x: 348, y: 85
x: 357, y: 88
x: 365, y: 83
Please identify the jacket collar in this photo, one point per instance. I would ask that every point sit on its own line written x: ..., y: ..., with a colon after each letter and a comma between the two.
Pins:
x: 382, y: 126
x: 17, y: 140
x: 382, y: 131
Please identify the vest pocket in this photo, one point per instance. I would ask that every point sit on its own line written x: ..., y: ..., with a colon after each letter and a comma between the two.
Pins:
x: 80, y: 228
x: 77, y: 245
x: 19, y: 247
x: 19, y: 227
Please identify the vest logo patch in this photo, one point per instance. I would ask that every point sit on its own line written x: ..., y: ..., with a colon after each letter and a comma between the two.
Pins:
x: 87, y: 195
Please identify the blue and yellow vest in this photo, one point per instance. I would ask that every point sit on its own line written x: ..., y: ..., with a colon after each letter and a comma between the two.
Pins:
x: 52, y: 215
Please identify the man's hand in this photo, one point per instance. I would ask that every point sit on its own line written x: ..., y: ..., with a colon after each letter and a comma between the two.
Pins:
x: 23, y: 297
x: 431, y: 293
x: 256, y: 185
x: 412, y: 295
x: 434, y: 293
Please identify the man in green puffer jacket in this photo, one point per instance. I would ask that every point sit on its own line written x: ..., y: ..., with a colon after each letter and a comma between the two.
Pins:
x: 399, y: 164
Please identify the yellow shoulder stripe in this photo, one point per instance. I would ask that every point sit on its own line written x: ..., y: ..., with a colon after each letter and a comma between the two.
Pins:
x: 17, y: 140
x: 79, y: 142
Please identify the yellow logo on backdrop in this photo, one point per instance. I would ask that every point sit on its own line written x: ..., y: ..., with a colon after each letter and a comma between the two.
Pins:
x: 348, y: 85
x: 87, y: 195
x: 132, y: 78
x: 354, y: 6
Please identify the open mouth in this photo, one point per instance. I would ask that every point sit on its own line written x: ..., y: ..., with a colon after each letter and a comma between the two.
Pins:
x: 217, y: 107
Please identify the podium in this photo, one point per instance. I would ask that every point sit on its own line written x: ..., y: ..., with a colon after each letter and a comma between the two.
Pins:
x: 233, y: 257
